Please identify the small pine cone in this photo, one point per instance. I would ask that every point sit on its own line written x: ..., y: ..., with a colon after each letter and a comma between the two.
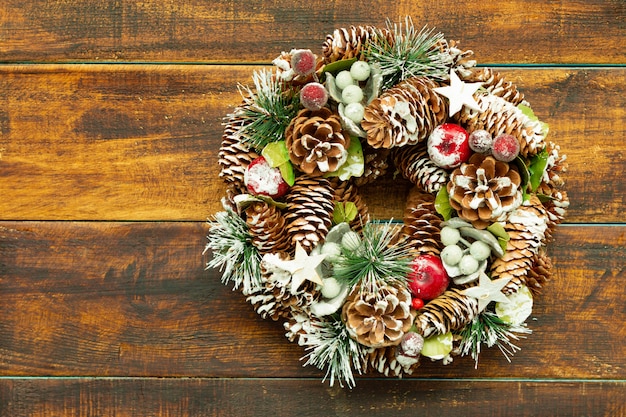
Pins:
x: 347, y: 191
x: 461, y: 61
x: 275, y: 299
x: 266, y: 225
x: 316, y: 141
x: 234, y: 156
x: 375, y: 164
x: 551, y: 186
x: 309, y: 211
x: 349, y: 43
x: 495, y: 84
x: 539, y: 273
x: 384, y: 361
x: 405, y: 114
x: 378, y: 320
x: 484, y: 190
x: 452, y: 310
x: 526, y: 227
x: 416, y: 166
x: 422, y: 224
x: 299, y: 325
x: 498, y: 116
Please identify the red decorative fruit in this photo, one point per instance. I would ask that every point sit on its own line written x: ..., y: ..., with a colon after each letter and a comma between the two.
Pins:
x: 303, y: 61
x: 448, y: 145
x: 313, y: 96
x: 505, y: 147
x: 417, y: 303
x: 261, y: 179
x: 428, y: 279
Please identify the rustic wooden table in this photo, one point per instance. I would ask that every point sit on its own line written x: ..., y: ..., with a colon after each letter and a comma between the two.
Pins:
x: 110, y: 121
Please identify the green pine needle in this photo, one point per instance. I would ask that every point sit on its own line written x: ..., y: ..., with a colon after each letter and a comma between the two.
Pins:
x: 233, y: 251
x: 332, y: 348
x: 381, y: 259
x: 487, y: 328
x: 413, y: 53
x: 267, y: 110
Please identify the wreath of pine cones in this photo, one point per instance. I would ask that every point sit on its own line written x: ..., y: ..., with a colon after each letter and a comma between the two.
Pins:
x: 362, y: 295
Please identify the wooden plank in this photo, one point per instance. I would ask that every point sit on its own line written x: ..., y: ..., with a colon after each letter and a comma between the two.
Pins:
x: 81, y: 142
x: 515, y: 31
x: 133, y: 299
x: 277, y: 397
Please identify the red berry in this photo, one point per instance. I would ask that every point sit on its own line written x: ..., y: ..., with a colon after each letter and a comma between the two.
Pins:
x: 448, y: 145
x: 505, y: 147
x: 303, y: 61
x: 261, y: 179
x: 313, y: 96
x: 417, y: 303
x: 428, y: 279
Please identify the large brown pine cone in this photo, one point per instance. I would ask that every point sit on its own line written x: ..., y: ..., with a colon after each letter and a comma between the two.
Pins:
x: 483, y: 190
x: 405, y: 114
x: 422, y: 224
x: 346, y: 43
x: 316, y: 141
x: 416, y: 166
x: 266, y: 225
x: 309, y: 211
x: 495, y: 84
x: 381, y: 319
x: 452, y: 310
x: 234, y: 155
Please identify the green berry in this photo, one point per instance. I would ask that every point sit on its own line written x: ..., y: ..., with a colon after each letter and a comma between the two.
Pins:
x: 352, y: 94
x: 480, y: 250
x: 330, y: 288
x: 437, y: 347
x: 450, y: 236
x: 468, y: 265
x: 354, y: 112
x: 451, y: 255
x: 351, y: 240
x: 360, y: 70
x: 344, y: 79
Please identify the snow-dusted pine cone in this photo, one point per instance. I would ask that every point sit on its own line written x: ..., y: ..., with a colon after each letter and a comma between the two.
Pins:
x: 309, y: 211
x: 484, y: 190
x: 377, y: 320
x: 266, y: 225
x: 405, y: 114
x: 452, y: 310
x: 416, y: 166
x: 552, y: 186
x: 234, y: 155
x: 495, y: 84
x: 422, y: 224
x: 384, y: 360
x: 346, y: 43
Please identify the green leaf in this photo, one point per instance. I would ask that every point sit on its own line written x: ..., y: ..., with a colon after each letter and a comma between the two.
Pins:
x: 442, y: 203
x: 498, y: 231
x: 288, y: 173
x: 536, y: 169
x: 355, y: 163
x: 277, y: 155
x: 344, y: 212
x: 337, y: 66
x: 528, y: 112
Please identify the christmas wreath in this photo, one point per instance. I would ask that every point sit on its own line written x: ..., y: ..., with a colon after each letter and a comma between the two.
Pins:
x: 361, y: 295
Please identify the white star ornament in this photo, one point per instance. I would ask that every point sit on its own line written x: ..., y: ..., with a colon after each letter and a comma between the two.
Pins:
x: 459, y: 93
x: 487, y: 291
x: 302, y: 267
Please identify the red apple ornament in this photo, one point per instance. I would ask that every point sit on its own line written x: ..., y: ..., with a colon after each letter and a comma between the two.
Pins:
x: 261, y: 179
x: 428, y: 279
x: 448, y: 145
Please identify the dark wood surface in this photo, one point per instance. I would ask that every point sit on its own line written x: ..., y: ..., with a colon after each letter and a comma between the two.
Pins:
x: 110, y: 122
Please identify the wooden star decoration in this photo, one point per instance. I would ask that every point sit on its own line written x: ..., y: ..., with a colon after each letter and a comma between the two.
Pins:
x: 459, y: 93
x: 487, y: 291
x: 302, y: 267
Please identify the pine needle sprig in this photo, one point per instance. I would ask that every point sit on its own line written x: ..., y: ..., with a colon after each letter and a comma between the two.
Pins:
x: 382, y: 258
x: 487, y: 328
x: 233, y: 251
x: 412, y: 53
x: 331, y: 348
x: 267, y: 110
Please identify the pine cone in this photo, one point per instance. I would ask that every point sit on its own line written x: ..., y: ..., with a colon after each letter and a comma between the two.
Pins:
x: 316, y: 142
x: 416, y: 166
x: 266, y: 225
x: 404, y: 114
x: 538, y: 275
x: 309, y: 211
x: 347, y: 191
x: 422, y: 224
x: 375, y: 164
x: 275, y: 300
x: 378, y: 320
x: 384, y: 361
x: 461, y: 61
x: 495, y: 84
x: 551, y: 186
x: 498, y: 116
x: 234, y: 156
x: 483, y: 190
x: 450, y: 311
x: 349, y: 43
x: 526, y: 227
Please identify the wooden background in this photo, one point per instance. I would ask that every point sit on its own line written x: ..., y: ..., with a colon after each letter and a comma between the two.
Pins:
x: 110, y: 117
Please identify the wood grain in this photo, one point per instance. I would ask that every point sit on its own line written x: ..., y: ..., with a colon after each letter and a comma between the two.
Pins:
x: 130, y: 397
x: 518, y: 31
x: 133, y: 299
x: 82, y: 141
